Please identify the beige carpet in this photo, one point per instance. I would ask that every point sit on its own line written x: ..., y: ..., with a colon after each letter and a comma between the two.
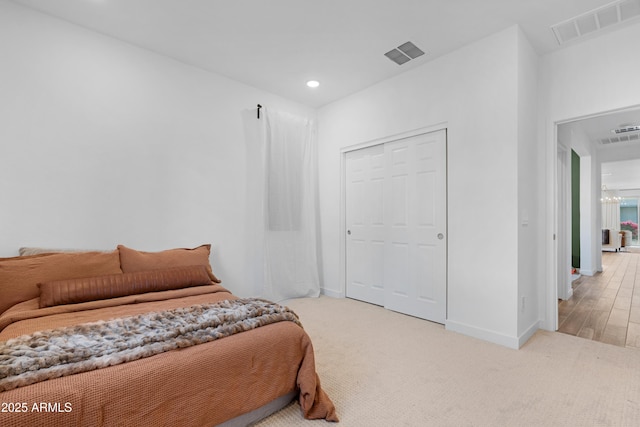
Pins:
x: 386, y: 369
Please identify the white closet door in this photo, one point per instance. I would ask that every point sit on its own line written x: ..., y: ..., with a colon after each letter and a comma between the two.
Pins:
x: 366, y: 228
x: 415, y: 278
x: 396, y: 225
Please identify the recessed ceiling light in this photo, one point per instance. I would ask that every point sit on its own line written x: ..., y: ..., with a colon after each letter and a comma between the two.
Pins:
x: 313, y: 83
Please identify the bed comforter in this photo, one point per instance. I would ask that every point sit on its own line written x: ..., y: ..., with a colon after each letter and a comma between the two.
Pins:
x: 200, y: 385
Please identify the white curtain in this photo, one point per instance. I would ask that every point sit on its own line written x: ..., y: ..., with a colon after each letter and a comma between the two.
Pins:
x: 289, y: 206
x: 610, y: 214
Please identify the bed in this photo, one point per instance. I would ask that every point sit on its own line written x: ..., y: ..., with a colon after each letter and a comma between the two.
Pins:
x: 207, y: 357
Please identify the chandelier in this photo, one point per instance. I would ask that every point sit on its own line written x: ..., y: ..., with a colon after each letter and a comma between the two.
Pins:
x: 609, y: 196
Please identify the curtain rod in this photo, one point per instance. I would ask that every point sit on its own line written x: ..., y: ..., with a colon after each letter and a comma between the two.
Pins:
x: 259, y: 107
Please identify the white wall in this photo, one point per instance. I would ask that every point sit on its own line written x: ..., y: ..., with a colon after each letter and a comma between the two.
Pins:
x: 590, y: 77
x: 474, y: 91
x: 590, y: 215
x: 104, y: 143
x: 529, y: 211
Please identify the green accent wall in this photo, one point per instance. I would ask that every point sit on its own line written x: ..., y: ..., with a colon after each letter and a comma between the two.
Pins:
x: 575, y: 209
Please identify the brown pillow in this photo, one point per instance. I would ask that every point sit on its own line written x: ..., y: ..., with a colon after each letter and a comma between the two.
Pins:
x: 132, y: 260
x: 19, y: 276
x: 118, y: 285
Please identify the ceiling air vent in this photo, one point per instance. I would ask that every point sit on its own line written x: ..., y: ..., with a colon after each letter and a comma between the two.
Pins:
x: 404, y: 53
x: 623, y: 138
x: 595, y: 20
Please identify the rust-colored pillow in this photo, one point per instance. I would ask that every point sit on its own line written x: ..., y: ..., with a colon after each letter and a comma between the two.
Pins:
x: 132, y: 260
x: 118, y: 285
x: 19, y: 276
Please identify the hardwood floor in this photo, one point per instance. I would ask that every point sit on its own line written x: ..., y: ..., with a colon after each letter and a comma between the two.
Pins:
x: 606, y: 307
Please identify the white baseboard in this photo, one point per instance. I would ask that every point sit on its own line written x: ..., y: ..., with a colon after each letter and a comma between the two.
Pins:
x: 587, y: 272
x: 528, y: 334
x: 331, y: 293
x: 483, y: 334
x: 569, y: 294
x: 492, y: 336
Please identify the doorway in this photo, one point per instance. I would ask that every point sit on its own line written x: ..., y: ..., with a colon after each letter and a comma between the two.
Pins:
x: 396, y: 224
x: 595, y: 140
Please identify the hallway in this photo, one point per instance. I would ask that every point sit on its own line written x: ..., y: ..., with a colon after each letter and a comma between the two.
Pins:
x: 606, y: 307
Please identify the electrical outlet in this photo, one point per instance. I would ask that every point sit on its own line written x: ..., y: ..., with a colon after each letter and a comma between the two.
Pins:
x: 522, y: 303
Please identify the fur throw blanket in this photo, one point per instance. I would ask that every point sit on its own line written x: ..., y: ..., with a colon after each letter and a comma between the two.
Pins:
x: 69, y: 350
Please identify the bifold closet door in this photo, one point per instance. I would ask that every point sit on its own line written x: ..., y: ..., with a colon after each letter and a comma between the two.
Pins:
x: 396, y: 225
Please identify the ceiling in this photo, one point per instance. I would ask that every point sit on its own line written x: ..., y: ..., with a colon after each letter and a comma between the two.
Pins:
x: 278, y: 45
x: 620, y: 166
x: 600, y: 128
x: 622, y: 175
